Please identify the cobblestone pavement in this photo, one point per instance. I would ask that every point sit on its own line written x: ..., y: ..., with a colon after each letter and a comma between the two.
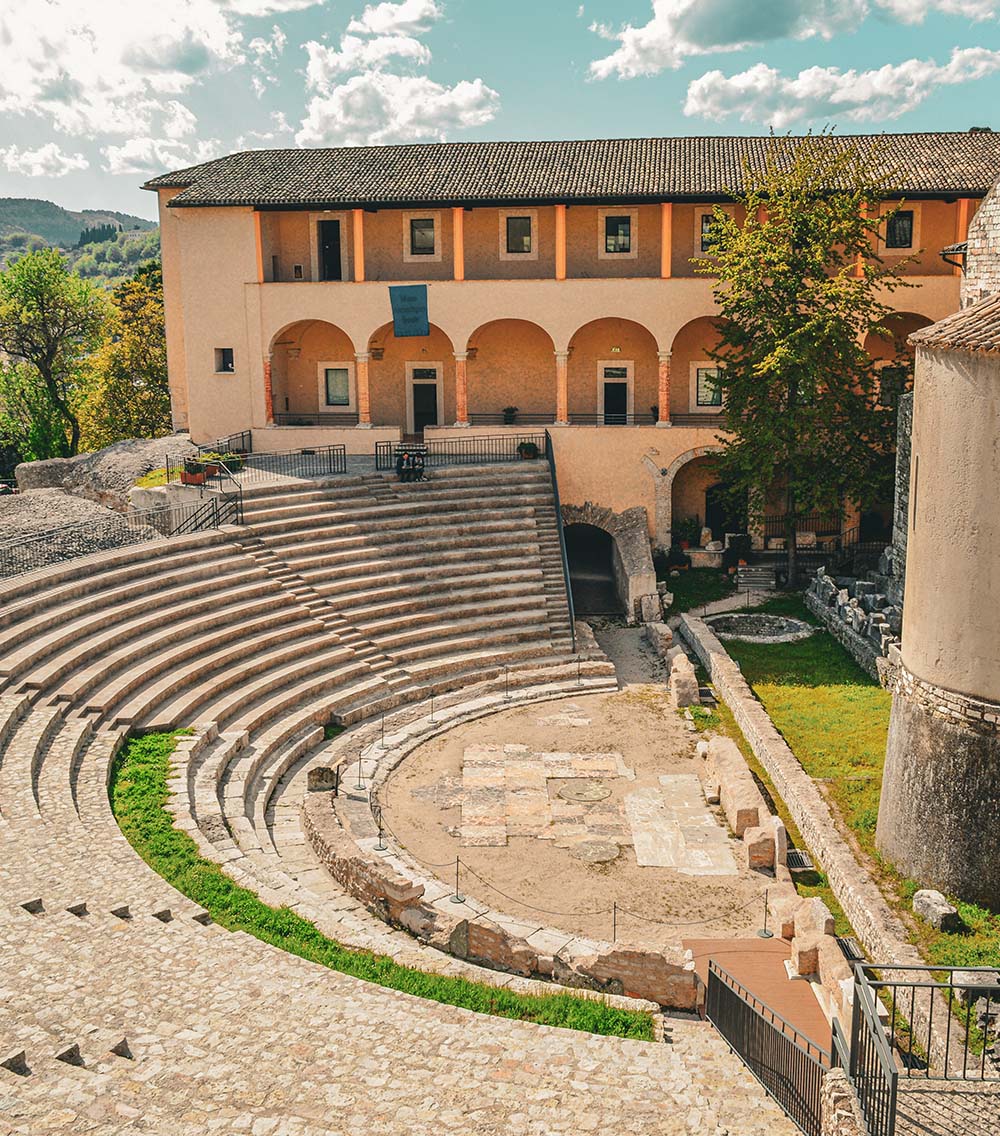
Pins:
x: 938, y: 1108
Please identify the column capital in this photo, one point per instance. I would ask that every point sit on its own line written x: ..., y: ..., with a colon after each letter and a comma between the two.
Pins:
x: 362, y: 356
x: 460, y: 356
x: 562, y: 354
x: 664, y: 356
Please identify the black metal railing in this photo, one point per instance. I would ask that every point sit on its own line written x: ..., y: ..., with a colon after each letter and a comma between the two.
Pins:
x: 789, y: 1066
x: 611, y: 419
x: 871, y: 1068
x: 483, y: 449
x: 544, y: 418
x: 852, y: 555
x: 327, y: 418
x: 241, y: 443
x: 228, y: 474
x: 822, y: 524
x: 550, y: 456
x: 118, y: 530
x: 944, y: 1023
x: 706, y: 421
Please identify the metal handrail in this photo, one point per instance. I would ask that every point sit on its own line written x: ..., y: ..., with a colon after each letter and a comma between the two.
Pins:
x: 551, y: 458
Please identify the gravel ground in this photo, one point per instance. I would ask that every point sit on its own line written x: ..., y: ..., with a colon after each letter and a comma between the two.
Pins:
x: 24, y: 515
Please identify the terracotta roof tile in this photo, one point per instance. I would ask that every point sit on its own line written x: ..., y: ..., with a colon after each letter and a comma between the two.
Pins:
x: 605, y: 170
x: 973, y: 329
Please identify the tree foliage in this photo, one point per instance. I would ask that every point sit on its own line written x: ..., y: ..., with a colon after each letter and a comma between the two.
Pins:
x: 800, y: 285
x: 126, y: 394
x: 50, y: 323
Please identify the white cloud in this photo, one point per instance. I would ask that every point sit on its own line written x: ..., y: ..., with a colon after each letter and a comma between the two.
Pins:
x: 404, y: 18
x: 178, y: 121
x: 761, y: 94
x: 280, y: 131
x: 270, y: 7
x: 680, y: 29
x: 326, y: 64
x: 269, y: 49
x: 376, y: 108
x: 46, y: 161
x: 93, y: 67
x: 153, y: 155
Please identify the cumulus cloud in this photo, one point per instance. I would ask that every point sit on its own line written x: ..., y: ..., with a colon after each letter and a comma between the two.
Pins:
x: 92, y: 67
x: 279, y: 131
x: 47, y: 161
x: 762, y: 95
x: 680, y: 29
x: 356, y: 54
x: 376, y: 108
x: 153, y: 155
x: 405, y: 18
x: 270, y: 7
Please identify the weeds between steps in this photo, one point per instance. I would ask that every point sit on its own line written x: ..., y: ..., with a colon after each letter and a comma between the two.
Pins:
x: 139, y: 796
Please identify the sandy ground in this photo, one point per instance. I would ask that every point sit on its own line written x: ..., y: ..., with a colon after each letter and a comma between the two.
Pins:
x: 532, y: 879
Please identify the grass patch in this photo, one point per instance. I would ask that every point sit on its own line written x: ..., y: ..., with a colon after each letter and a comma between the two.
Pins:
x: 138, y: 793
x: 697, y: 587
x: 835, y: 718
x: 152, y: 479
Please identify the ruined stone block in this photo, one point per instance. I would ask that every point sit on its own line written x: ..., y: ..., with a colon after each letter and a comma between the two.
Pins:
x: 805, y: 954
x: 759, y: 844
x: 683, y: 684
x: 932, y: 906
x: 660, y: 637
x: 813, y: 917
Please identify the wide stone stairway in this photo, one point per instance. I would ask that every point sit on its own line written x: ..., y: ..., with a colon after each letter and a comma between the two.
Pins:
x: 123, y: 1008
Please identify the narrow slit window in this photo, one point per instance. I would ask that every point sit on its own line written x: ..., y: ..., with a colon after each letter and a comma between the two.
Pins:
x: 617, y: 234
x: 224, y: 360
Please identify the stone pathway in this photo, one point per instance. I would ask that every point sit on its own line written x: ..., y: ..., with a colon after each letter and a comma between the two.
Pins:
x: 938, y: 1108
x: 672, y: 827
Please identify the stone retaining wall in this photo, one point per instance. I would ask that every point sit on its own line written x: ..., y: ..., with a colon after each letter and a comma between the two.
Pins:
x: 614, y: 968
x: 877, y: 927
x: 858, y: 614
x: 839, y: 1109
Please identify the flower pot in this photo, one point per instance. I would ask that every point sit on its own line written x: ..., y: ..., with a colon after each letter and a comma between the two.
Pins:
x: 685, y: 545
x: 192, y: 478
x: 213, y: 468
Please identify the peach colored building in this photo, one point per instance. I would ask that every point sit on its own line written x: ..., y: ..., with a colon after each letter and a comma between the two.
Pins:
x: 559, y: 280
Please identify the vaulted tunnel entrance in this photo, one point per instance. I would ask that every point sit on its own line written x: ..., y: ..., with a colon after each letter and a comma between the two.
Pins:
x: 591, y: 568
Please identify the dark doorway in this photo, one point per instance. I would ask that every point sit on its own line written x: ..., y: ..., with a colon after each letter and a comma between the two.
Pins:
x: 591, y: 570
x: 615, y: 396
x: 425, y: 405
x: 720, y: 514
x: 329, y: 251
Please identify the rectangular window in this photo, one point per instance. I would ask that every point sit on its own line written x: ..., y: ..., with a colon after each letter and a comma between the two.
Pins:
x: 421, y: 236
x: 707, y: 221
x: 425, y: 373
x: 224, y: 360
x: 297, y: 272
x: 709, y: 393
x: 518, y: 234
x: 616, y: 372
x: 275, y: 268
x: 899, y: 231
x: 338, y: 386
x: 617, y: 234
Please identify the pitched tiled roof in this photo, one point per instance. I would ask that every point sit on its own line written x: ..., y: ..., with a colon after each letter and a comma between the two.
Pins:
x: 972, y: 329
x: 623, y: 169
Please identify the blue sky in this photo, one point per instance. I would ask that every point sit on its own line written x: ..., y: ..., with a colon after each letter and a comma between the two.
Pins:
x: 96, y: 95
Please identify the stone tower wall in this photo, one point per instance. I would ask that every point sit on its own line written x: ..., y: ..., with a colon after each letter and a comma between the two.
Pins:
x: 982, y: 261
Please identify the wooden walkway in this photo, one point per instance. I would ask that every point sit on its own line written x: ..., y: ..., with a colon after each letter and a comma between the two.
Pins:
x: 759, y: 965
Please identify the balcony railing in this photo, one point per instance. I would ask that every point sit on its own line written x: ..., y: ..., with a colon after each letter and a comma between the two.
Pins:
x: 332, y: 418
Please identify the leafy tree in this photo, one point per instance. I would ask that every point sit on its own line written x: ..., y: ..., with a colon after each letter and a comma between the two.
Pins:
x: 799, y: 287
x: 50, y: 322
x: 30, y: 423
x: 126, y: 395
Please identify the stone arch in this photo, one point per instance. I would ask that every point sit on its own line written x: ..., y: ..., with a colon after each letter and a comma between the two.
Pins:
x: 635, y: 577
x: 295, y: 353
x: 388, y: 369
x: 901, y: 325
x: 663, y: 480
x: 511, y: 362
x: 610, y: 340
x: 692, y: 344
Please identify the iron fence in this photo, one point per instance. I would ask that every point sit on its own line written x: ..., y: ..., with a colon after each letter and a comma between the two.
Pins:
x: 483, y: 449
x: 550, y: 457
x: 241, y: 443
x: 822, y: 524
x: 327, y: 418
x: 611, y: 419
x: 545, y: 418
x: 118, y: 530
x: 789, y: 1066
x: 230, y: 472
x: 872, y: 1069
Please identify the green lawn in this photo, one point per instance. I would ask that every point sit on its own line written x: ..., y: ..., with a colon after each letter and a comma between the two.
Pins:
x: 835, y: 718
x: 697, y: 586
x: 138, y: 795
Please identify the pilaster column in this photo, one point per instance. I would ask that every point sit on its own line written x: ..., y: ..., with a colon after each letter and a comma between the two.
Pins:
x: 666, y: 239
x: 562, y: 388
x: 663, y: 398
x: 461, y: 389
x: 458, y: 241
x: 358, y: 218
x: 560, y: 242
x: 364, y: 392
x: 268, y: 392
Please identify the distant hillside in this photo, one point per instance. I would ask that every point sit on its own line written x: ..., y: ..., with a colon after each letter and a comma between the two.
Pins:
x: 58, y: 226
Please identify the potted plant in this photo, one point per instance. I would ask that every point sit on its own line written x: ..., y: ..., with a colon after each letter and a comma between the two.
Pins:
x: 212, y: 463
x: 527, y: 450
x: 193, y: 472
x: 233, y: 462
x: 509, y: 415
x: 686, y: 532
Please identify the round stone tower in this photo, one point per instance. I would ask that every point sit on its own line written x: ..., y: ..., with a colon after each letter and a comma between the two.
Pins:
x: 939, y: 819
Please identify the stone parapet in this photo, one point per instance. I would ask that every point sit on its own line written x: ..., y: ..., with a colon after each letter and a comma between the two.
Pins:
x: 877, y: 927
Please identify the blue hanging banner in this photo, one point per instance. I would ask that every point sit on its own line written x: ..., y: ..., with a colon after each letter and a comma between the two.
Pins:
x: 409, y: 310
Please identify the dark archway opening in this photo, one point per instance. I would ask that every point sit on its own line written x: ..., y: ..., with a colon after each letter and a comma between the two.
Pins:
x: 590, y: 551
x: 721, y: 515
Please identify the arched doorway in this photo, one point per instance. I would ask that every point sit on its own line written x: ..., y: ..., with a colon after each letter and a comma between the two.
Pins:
x: 692, y: 369
x: 590, y: 551
x: 511, y: 373
x: 313, y: 375
x: 722, y: 514
x: 613, y: 376
x: 412, y: 379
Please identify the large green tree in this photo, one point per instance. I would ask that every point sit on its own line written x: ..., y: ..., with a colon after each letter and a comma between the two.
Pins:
x: 127, y: 395
x: 800, y: 285
x: 51, y: 321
